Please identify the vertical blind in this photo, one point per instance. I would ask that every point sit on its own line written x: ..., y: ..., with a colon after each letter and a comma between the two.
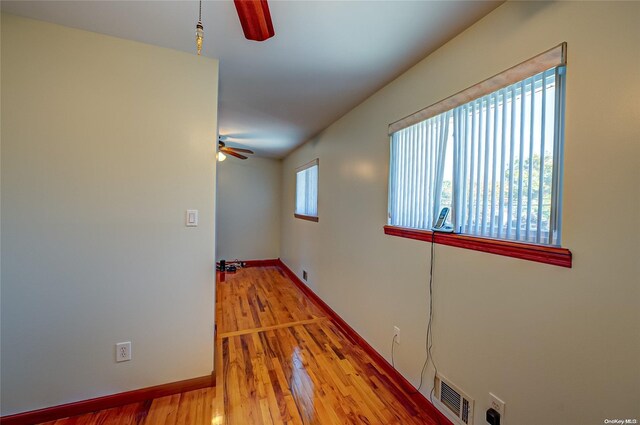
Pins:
x: 307, y: 189
x: 417, y: 168
x: 496, y: 161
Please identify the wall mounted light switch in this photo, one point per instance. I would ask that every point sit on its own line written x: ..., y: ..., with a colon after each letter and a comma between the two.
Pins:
x: 192, y: 218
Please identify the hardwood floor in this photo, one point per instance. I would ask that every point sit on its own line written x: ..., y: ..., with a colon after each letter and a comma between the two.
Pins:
x: 193, y: 407
x: 279, y: 360
x: 257, y: 297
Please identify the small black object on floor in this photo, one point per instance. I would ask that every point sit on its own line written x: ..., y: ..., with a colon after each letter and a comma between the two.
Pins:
x: 230, y: 266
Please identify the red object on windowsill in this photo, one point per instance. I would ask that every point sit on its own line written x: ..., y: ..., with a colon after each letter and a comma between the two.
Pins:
x: 540, y: 253
x: 255, y: 19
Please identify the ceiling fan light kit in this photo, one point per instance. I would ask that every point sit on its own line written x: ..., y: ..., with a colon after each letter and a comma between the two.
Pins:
x: 255, y: 19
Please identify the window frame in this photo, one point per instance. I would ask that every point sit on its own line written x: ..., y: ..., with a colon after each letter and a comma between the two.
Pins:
x: 296, y: 214
x: 550, y: 254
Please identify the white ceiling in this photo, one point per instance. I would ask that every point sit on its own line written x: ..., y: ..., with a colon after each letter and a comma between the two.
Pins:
x: 326, y: 56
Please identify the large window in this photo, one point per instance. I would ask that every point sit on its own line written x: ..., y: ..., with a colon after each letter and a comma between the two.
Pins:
x: 307, y: 191
x: 496, y: 161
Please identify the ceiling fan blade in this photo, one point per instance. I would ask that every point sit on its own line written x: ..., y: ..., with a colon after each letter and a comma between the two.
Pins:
x: 232, y: 153
x: 230, y: 149
x: 255, y: 19
x: 241, y: 150
x: 226, y: 136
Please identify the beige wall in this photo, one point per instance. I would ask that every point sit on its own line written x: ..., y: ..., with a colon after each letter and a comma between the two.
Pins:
x: 248, y: 208
x: 560, y: 346
x: 105, y: 144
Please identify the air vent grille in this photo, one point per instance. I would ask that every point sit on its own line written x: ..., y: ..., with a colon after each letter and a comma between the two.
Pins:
x: 451, y: 398
x: 455, y: 400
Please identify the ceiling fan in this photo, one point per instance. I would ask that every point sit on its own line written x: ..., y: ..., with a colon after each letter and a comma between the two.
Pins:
x: 224, y: 150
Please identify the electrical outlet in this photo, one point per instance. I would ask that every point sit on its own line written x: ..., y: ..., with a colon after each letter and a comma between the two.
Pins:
x: 396, y: 334
x: 304, y: 274
x: 497, y: 404
x: 123, y: 351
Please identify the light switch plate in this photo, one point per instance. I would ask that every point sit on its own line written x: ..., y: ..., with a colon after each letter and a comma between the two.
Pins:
x: 192, y: 218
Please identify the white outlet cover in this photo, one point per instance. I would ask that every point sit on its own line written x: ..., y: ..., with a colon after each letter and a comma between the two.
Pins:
x: 123, y: 351
x: 396, y: 334
x: 497, y: 404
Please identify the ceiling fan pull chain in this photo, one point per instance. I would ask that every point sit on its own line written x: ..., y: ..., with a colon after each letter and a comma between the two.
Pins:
x: 199, y: 30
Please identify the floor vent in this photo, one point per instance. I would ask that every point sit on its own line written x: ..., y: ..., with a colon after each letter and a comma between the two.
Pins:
x: 455, y: 400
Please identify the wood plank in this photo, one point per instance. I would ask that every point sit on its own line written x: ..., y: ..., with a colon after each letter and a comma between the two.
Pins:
x: 540, y: 253
x: 298, y: 372
x: 272, y: 327
x: 256, y: 297
x: 315, y: 381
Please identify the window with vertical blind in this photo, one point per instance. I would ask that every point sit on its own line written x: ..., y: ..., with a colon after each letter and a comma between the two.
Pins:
x: 307, y: 191
x: 492, y: 153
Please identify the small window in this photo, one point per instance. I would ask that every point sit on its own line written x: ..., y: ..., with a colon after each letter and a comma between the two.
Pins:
x: 496, y: 161
x: 307, y: 191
